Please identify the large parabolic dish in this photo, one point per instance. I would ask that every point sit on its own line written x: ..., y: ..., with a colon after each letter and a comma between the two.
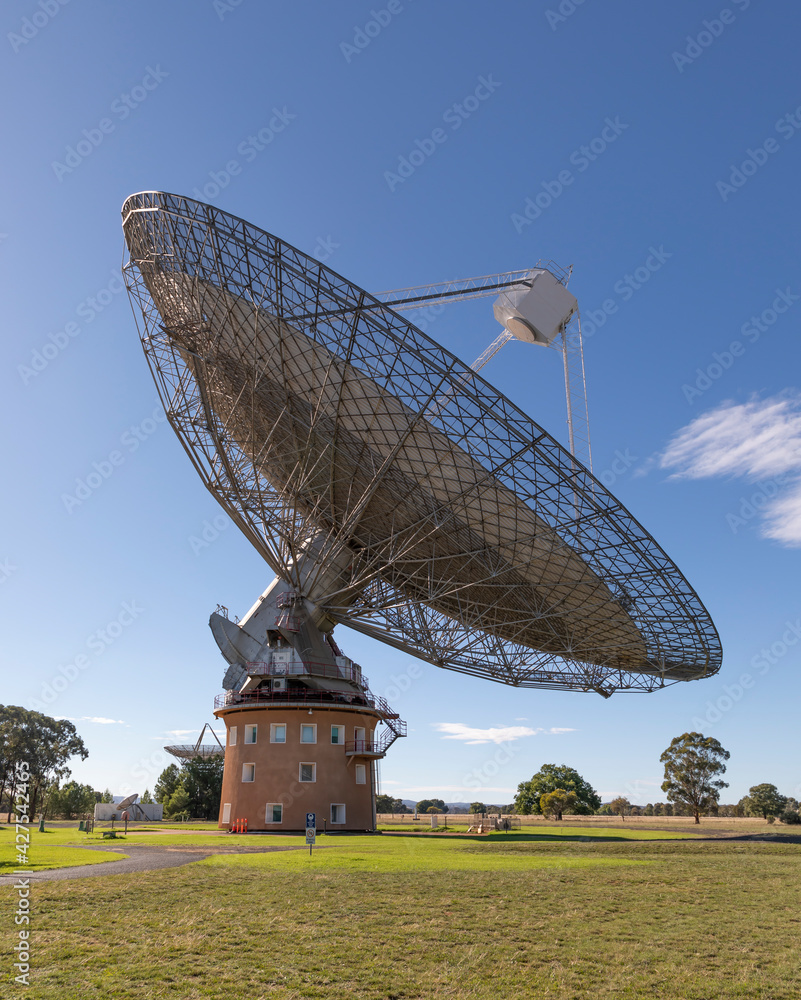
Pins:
x: 392, y: 487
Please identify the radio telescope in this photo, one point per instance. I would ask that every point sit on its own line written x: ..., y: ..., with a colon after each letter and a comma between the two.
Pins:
x: 198, y: 750
x: 389, y: 486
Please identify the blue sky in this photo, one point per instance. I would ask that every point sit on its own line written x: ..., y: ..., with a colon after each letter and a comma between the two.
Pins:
x: 657, y: 149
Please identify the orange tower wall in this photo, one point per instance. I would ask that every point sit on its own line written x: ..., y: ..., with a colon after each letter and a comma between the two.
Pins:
x: 277, y: 769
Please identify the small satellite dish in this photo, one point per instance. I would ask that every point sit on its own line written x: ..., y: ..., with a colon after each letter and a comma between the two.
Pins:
x: 128, y: 801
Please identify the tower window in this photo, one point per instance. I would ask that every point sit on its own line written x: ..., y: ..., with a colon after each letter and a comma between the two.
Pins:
x: 250, y: 734
x: 307, y: 772
x: 308, y: 733
x: 337, y: 812
x: 232, y: 736
x: 274, y: 813
x: 248, y: 772
x: 337, y: 734
x: 277, y: 733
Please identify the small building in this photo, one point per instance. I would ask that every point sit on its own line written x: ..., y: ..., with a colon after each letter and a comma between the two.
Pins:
x: 151, y: 812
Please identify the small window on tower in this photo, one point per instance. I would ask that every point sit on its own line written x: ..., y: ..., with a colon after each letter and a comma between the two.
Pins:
x: 337, y: 734
x: 275, y: 812
x: 248, y: 772
x: 250, y: 734
x: 337, y: 812
x: 308, y: 733
x: 277, y: 733
x: 308, y: 772
x: 232, y: 736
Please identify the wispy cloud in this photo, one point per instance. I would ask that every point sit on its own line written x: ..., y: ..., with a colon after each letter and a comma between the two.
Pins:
x: 499, y: 734
x: 758, y: 440
x: 97, y: 719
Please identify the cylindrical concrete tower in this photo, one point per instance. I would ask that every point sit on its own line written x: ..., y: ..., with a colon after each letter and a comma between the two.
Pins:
x: 302, y: 726
x: 285, y: 758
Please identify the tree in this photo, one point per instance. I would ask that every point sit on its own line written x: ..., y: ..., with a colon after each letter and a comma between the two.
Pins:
x: 692, y: 765
x: 195, y: 788
x: 649, y: 809
x: 424, y: 805
x: 202, y: 781
x: 383, y: 803
x: 177, y: 803
x: 147, y: 799
x: 477, y: 808
x: 167, y: 784
x: 765, y: 801
x: 44, y: 744
x: 557, y: 802
x: 549, y: 778
x: 386, y: 804
x: 620, y: 807
x: 71, y: 801
x: 107, y: 797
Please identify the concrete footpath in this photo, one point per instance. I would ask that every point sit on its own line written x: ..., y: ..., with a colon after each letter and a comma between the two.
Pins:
x: 143, y: 858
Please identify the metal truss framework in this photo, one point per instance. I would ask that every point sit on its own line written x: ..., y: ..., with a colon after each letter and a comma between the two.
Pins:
x: 570, y: 343
x: 386, y: 481
x: 198, y: 750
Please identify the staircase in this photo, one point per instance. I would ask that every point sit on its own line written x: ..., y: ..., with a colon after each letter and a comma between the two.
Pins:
x: 375, y: 749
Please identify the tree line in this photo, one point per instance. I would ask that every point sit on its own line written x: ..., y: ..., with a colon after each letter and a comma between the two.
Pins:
x: 693, y: 769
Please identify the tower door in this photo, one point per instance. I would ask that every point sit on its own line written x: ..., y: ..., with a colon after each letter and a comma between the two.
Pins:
x: 359, y: 735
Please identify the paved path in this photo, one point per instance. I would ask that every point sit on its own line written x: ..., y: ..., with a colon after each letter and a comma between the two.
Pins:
x: 143, y: 858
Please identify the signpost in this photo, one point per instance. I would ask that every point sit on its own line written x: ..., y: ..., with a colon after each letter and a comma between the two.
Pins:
x: 311, y: 830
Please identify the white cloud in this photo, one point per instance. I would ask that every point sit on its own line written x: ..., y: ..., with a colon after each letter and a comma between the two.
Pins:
x: 499, y: 734
x: 760, y: 441
x: 99, y: 720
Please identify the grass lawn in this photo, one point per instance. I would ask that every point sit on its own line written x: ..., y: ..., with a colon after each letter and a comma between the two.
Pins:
x: 53, y: 856
x: 413, y: 917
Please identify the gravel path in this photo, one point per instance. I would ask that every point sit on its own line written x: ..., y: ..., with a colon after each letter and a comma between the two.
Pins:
x: 142, y: 859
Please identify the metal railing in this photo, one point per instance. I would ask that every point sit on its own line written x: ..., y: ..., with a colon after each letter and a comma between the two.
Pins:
x: 261, y: 696
x: 396, y: 729
x: 308, y: 695
x: 314, y: 668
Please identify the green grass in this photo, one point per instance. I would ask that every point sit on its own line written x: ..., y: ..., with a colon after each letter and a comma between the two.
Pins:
x: 408, y: 854
x: 53, y: 856
x: 69, y: 836
x: 385, y: 918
